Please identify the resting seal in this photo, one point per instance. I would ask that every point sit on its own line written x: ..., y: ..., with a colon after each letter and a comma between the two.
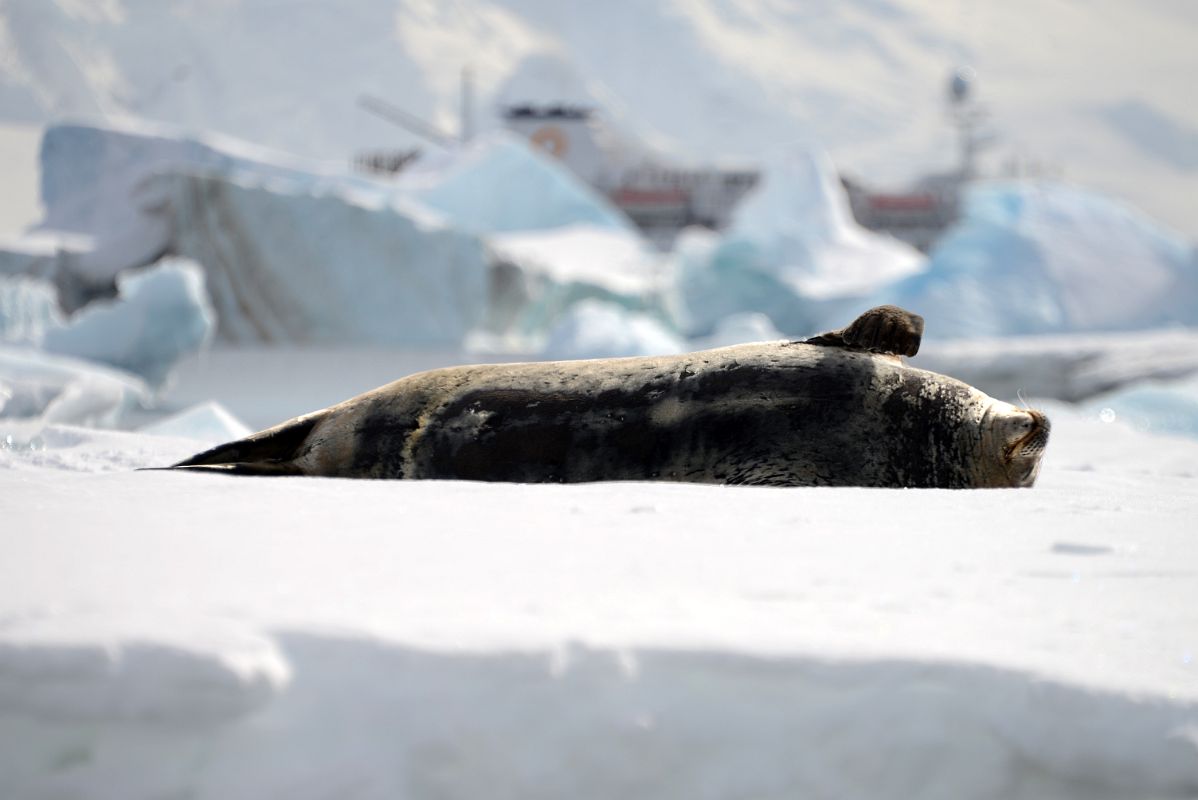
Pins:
x: 837, y: 410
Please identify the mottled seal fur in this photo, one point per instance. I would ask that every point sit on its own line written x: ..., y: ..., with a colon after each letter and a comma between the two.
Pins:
x: 825, y: 412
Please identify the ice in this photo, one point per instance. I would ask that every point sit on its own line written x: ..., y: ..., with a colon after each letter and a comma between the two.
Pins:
x: 1164, y: 407
x: 209, y: 422
x: 285, y: 263
x: 610, y: 258
x: 160, y: 315
x: 94, y: 182
x: 35, y: 385
x: 741, y: 329
x: 595, y: 329
x: 28, y: 308
x: 98, y: 366
x: 291, y: 252
x: 793, y: 252
x: 1044, y: 257
x: 55, y: 256
x: 499, y: 183
x: 542, y: 274
x: 1073, y: 367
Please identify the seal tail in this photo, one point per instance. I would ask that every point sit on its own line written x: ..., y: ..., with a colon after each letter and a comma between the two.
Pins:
x: 270, y: 452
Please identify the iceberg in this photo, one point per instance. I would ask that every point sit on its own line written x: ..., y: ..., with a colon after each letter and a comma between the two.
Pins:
x: 286, y: 263
x: 542, y: 274
x: 500, y: 183
x: 743, y: 328
x: 595, y: 329
x: 42, y: 388
x: 159, y: 315
x: 793, y: 252
x: 28, y: 308
x: 1044, y: 257
x: 94, y: 183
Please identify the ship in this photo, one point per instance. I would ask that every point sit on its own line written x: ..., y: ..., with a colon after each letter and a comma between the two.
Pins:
x: 662, y: 197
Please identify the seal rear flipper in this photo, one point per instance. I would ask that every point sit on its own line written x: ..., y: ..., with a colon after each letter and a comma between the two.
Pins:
x: 269, y: 448
x: 261, y: 468
x: 885, y: 329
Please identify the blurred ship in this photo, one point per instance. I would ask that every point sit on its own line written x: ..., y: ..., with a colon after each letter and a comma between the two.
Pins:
x: 662, y: 197
x: 921, y: 214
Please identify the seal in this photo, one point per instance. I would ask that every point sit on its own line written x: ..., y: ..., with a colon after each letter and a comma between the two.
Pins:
x: 840, y: 409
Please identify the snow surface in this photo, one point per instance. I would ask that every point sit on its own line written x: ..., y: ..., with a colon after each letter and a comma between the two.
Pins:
x: 166, y: 634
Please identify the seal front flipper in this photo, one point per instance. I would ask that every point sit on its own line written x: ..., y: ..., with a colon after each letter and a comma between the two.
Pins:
x: 270, y: 452
x: 884, y: 329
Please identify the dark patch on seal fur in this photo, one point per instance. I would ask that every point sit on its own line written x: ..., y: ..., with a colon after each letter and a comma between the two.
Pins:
x: 731, y: 421
x: 380, y: 445
x: 922, y: 420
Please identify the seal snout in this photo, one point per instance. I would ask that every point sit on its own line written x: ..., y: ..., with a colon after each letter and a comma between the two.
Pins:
x: 1024, y: 435
x: 1032, y: 444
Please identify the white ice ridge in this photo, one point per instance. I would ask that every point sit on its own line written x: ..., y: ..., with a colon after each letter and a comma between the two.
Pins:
x: 371, y: 719
x: 72, y: 669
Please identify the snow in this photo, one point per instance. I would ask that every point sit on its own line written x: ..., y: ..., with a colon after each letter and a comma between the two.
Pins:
x: 1043, y: 257
x: 218, y: 637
